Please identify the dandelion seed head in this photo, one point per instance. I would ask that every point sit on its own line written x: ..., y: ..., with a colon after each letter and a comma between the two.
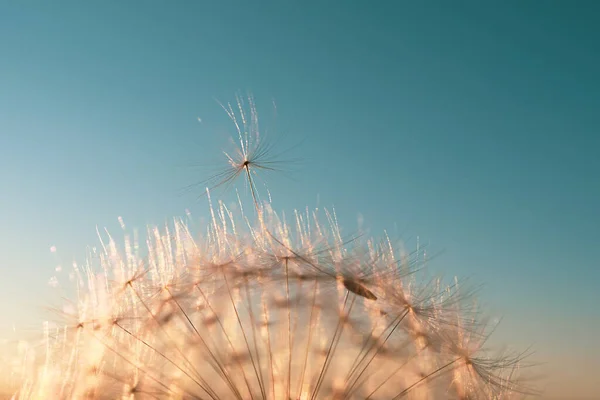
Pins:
x: 271, y: 308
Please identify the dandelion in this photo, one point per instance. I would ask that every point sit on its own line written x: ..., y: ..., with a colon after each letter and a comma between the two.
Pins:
x: 264, y: 309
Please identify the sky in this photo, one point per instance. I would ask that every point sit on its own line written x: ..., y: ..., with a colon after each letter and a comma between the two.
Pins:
x: 471, y: 125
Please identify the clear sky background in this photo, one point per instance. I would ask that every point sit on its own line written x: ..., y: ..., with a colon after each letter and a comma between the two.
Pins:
x: 474, y: 125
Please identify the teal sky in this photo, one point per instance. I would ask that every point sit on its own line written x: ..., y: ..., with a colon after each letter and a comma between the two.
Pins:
x: 474, y: 125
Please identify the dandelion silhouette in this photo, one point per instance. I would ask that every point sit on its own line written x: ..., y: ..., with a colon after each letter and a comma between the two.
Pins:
x: 265, y: 309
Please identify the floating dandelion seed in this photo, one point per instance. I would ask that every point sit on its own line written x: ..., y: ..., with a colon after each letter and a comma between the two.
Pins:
x: 254, y: 152
x: 265, y: 309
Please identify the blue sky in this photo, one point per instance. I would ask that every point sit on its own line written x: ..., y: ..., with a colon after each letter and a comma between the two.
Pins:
x: 471, y: 125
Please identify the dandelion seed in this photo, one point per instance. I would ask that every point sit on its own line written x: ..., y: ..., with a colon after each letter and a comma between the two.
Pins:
x: 254, y: 153
x: 358, y: 289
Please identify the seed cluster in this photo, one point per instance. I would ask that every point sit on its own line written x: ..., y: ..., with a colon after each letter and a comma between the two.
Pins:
x: 261, y: 308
